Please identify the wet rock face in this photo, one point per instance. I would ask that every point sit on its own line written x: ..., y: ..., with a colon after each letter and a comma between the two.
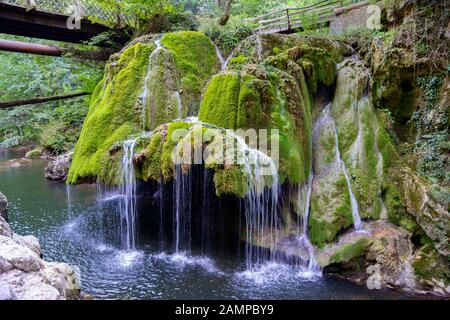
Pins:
x: 58, y: 168
x: 384, y: 257
x: 3, y: 206
x: 25, y: 276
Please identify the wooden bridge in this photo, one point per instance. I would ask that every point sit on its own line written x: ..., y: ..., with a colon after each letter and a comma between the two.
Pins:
x: 290, y: 20
x: 61, y: 20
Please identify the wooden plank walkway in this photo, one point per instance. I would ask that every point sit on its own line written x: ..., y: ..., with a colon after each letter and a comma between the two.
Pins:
x: 289, y: 20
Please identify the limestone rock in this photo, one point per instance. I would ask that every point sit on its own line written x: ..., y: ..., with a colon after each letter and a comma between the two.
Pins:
x: 3, y: 206
x: 58, y: 168
x: 25, y: 276
x: 5, y: 229
x: 432, y: 217
x: 18, y: 256
x: 387, y: 250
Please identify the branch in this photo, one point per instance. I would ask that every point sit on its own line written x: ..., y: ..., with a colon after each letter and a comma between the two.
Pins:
x: 32, y: 102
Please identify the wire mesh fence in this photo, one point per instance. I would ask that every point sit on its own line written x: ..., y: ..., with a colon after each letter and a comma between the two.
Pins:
x: 85, y: 8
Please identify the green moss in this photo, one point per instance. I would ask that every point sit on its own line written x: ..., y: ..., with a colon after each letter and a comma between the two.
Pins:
x: 326, y: 223
x: 35, y: 153
x: 230, y: 182
x: 220, y: 101
x: 157, y: 158
x: 111, y: 116
x: 350, y: 251
x: 195, y: 56
x: 237, y: 61
x: 250, y: 111
x: 429, y: 265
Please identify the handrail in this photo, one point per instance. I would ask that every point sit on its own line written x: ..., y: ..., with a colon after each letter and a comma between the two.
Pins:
x: 292, y: 18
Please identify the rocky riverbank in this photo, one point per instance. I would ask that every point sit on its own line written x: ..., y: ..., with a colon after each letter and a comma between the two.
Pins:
x: 24, y: 275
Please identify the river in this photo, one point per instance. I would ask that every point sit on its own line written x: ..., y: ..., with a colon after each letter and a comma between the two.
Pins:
x: 76, y: 234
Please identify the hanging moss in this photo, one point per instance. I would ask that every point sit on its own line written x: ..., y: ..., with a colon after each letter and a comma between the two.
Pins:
x: 220, y: 101
x: 111, y: 117
x: 196, y: 60
x: 230, y: 182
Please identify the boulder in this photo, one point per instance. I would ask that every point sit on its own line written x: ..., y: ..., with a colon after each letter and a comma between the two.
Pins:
x: 25, y: 276
x: 432, y: 216
x: 59, y: 167
x: 3, y: 206
x: 388, y: 251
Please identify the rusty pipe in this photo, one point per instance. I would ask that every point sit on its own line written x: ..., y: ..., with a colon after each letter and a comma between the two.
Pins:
x: 32, y: 48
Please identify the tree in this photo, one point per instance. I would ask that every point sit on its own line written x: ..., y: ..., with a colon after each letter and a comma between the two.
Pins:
x: 226, y: 14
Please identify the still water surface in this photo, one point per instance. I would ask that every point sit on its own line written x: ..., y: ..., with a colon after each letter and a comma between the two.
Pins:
x: 74, y: 235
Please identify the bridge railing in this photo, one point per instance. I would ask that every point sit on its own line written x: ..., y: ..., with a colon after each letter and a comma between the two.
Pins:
x: 288, y: 19
x: 85, y: 8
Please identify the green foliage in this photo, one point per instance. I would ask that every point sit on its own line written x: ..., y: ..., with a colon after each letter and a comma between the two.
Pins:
x: 227, y: 37
x: 36, y: 152
x: 29, y: 76
x: 138, y: 11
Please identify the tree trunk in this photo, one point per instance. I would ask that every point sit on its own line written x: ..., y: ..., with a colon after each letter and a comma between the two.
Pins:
x: 35, y: 101
x: 226, y: 14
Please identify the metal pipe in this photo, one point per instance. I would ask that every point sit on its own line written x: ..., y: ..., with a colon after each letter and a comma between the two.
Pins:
x: 33, y: 48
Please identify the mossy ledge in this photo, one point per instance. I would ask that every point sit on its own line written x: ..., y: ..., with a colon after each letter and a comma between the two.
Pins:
x: 115, y: 114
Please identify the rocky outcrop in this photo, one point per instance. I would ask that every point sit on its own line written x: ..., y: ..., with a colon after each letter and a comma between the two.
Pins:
x: 147, y: 84
x: 58, y: 168
x: 3, y: 206
x: 432, y: 217
x: 385, y: 254
x: 25, y: 276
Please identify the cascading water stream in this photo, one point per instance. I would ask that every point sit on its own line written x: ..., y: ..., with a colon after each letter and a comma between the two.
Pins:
x: 69, y: 201
x: 223, y: 62
x: 179, y: 105
x: 354, y: 204
x: 127, y: 208
x: 144, y: 96
x: 261, y: 202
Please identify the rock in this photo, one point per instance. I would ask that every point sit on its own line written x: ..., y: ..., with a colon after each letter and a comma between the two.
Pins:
x: 387, y: 249
x: 25, y: 276
x: 432, y: 217
x: 432, y: 270
x: 6, y: 292
x: 35, y: 153
x: 30, y: 242
x: 3, y: 206
x: 19, y: 256
x: 5, y: 229
x: 59, y: 167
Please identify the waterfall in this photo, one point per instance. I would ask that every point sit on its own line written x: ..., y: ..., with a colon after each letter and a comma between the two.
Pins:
x: 261, y: 202
x: 143, y: 97
x: 303, y: 239
x: 182, y: 209
x: 179, y: 104
x: 354, y: 204
x: 223, y: 62
x: 384, y: 213
x: 69, y: 201
x: 127, y: 208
